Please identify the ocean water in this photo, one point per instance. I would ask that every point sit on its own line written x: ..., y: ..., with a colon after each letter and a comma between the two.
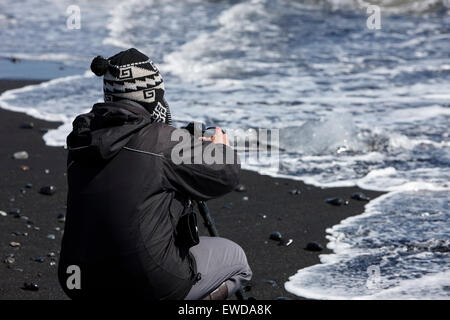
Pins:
x: 354, y: 107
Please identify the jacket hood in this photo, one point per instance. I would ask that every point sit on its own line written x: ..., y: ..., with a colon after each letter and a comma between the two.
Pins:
x: 101, y: 133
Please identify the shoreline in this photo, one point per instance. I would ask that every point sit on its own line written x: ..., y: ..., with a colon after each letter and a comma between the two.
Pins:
x: 302, y: 217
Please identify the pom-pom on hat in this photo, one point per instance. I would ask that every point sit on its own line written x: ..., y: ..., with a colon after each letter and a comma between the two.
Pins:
x: 131, y: 75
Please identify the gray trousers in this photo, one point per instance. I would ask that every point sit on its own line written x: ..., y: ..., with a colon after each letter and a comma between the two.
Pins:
x: 218, y: 260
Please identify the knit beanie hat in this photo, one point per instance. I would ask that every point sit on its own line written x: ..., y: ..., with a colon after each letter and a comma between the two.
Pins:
x: 131, y: 75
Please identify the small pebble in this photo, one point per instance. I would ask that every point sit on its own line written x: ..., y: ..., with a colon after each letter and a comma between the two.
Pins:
x: 273, y: 283
x: 51, y: 236
x: 29, y: 185
x: 360, y: 196
x: 9, y: 260
x: 294, y: 191
x: 14, y: 211
x: 240, y: 188
x: 336, y: 201
x: 275, y: 236
x: 3, y: 213
x: 24, y: 168
x: 38, y: 259
x: 48, y: 190
x: 245, y: 198
x: 51, y: 254
x: 286, y: 243
x: 262, y: 215
x: 46, y: 171
x: 27, y: 125
x: 57, y: 229
x: 23, y: 191
x: 14, y: 244
x: 30, y: 286
x: 314, y: 246
x: 20, y: 155
x: 36, y: 228
x: 52, y: 263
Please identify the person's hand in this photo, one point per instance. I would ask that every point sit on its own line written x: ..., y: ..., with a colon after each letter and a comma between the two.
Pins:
x: 218, y: 137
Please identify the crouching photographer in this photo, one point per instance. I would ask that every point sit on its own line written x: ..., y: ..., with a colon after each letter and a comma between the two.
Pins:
x: 130, y: 227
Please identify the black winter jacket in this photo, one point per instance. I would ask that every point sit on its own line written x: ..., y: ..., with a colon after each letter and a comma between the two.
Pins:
x: 124, y: 200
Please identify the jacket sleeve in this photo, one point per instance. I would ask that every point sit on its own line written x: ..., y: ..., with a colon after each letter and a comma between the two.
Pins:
x: 199, y: 169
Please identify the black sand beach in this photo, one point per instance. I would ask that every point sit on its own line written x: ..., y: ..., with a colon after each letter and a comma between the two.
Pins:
x: 302, y: 217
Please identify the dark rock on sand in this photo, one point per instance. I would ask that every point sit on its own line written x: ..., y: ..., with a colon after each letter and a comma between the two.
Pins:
x: 275, y: 236
x: 27, y: 125
x: 313, y: 246
x: 48, y: 190
x: 360, y: 196
x: 61, y: 217
x: 29, y: 185
x: 38, y: 259
x: 240, y: 188
x: 15, y: 212
x: 30, y: 286
x: 336, y: 201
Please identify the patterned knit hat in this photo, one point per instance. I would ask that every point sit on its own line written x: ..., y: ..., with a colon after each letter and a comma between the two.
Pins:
x: 131, y: 75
